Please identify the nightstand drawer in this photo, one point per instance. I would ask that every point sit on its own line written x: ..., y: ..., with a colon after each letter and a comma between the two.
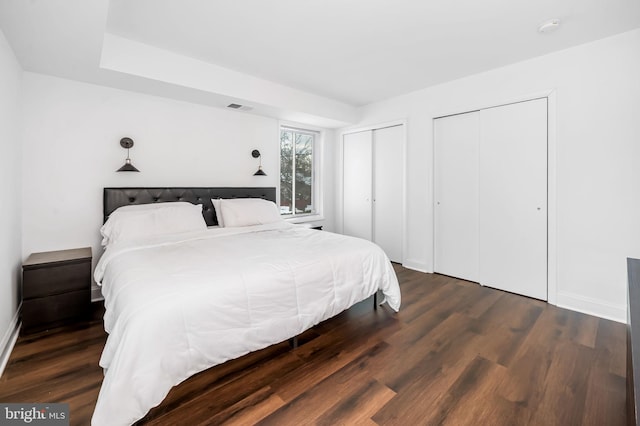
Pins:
x: 56, y: 288
x: 57, y: 279
x: 47, y: 312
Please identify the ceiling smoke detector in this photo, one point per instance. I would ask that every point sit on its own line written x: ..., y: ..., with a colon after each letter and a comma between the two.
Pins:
x: 549, y: 26
x: 240, y: 107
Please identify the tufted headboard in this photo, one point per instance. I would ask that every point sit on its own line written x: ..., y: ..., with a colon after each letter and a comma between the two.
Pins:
x: 118, y: 197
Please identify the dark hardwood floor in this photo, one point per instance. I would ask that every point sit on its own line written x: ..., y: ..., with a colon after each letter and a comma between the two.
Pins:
x: 456, y: 353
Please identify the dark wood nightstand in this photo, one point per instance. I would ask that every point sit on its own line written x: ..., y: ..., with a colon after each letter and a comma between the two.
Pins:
x: 56, y: 288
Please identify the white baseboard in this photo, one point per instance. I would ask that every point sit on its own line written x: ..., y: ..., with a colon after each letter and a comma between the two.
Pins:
x: 9, y: 340
x: 416, y: 266
x: 588, y: 305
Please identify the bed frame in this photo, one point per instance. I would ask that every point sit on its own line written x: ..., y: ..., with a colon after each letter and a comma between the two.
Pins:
x: 118, y: 197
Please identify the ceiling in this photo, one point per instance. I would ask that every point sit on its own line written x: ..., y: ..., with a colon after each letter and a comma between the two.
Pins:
x: 334, y: 55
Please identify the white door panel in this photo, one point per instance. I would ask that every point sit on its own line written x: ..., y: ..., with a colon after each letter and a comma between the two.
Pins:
x: 387, y: 190
x: 513, y: 198
x: 357, y: 185
x: 456, y: 195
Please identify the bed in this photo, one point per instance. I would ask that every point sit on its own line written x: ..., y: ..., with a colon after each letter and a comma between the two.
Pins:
x: 177, y: 303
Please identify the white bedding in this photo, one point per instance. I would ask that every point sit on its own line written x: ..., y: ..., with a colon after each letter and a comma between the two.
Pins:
x: 179, y: 304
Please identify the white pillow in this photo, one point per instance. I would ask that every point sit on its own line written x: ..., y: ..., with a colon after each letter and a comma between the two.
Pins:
x: 249, y: 211
x: 131, y: 223
x: 218, y: 210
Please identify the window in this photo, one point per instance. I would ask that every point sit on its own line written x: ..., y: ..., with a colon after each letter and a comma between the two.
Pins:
x: 297, y: 172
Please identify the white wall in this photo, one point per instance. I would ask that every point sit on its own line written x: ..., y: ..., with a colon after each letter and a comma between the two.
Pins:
x: 71, y: 151
x: 329, y: 150
x: 597, y: 88
x: 10, y: 207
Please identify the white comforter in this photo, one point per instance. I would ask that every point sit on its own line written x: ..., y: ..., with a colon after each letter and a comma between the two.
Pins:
x: 181, y: 304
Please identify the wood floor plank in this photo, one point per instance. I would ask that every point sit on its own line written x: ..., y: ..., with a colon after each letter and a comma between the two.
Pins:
x: 485, y: 300
x: 511, y: 311
x: 323, y: 357
x: 503, y: 341
x: 456, y: 353
x: 205, y: 402
x: 600, y: 407
x: 484, y: 405
x: 422, y: 399
x: 432, y: 356
x: 612, y: 339
x: 48, y: 344
x: 469, y: 380
x: 440, y: 289
x: 248, y: 411
x: 528, y: 371
x: 343, y: 384
x: 583, y: 329
x: 605, y: 378
x: 421, y: 387
x: 412, y: 332
x: 566, y: 381
x: 364, y: 402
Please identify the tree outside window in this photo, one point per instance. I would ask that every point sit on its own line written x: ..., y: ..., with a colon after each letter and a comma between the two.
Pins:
x: 296, y: 171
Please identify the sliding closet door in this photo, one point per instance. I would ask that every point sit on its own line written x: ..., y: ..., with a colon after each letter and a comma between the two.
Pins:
x: 357, y: 185
x: 387, y: 190
x: 513, y: 198
x: 456, y: 195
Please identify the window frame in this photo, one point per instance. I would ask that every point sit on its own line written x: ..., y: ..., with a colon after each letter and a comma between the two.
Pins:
x: 316, y: 174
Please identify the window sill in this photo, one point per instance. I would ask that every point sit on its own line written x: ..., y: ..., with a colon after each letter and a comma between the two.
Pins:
x: 305, y: 218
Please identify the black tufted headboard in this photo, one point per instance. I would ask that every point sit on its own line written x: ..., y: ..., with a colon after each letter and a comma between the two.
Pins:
x: 118, y: 197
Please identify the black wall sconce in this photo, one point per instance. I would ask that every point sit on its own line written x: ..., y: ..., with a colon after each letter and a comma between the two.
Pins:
x: 128, y: 167
x: 256, y: 154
